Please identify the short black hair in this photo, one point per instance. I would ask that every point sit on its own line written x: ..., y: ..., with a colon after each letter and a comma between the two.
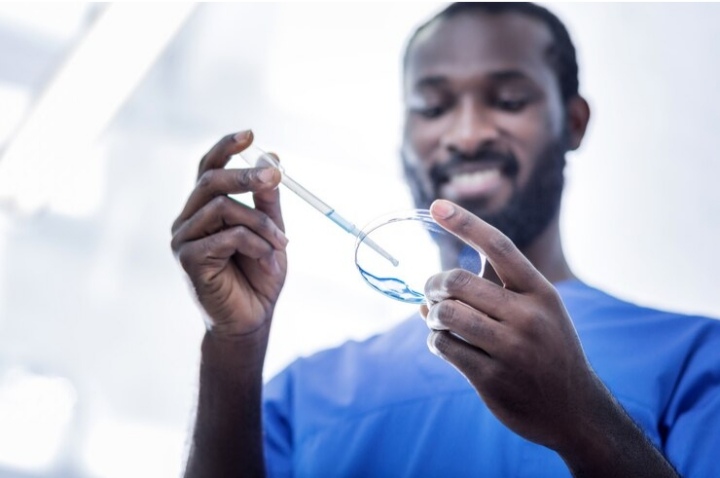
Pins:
x: 561, y: 54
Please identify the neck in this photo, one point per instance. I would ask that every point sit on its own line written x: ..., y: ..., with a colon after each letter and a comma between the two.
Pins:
x: 545, y: 253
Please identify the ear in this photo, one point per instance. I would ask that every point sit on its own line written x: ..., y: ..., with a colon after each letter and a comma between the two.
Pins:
x: 578, y: 117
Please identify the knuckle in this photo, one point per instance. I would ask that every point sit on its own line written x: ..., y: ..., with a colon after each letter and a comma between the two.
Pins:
x: 456, y: 279
x: 218, y: 204
x: 186, y: 258
x: 206, y: 246
x: 474, y: 325
x: 445, y: 312
x: 175, y: 244
x: 206, y: 180
x: 437, y: 342
x: 264, y: 223
x: 434, y: 289
x: 244, y: 235
x: 515, y: 346
x: 430, y: 285
x: 500, y: 296
x: 175, y: 226
x: 531, y: 323
x: 240, y: 233
x: 201, y: 165
x: 246, y: 178
x: 551, y: 296
x: 501, y: 245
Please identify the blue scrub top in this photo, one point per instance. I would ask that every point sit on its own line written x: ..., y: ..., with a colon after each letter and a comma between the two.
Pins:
x: 387, y: 407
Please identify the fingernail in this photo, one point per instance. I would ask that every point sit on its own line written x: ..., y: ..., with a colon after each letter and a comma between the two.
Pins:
x: 282, y: 238
x: 442, y: 209
x: 266, y: 175
x: 242, y: 136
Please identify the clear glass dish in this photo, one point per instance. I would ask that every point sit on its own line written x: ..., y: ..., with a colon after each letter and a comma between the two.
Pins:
x: 413, y: 238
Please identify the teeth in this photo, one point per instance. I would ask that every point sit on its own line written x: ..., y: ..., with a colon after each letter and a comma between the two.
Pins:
x: 475, y: 177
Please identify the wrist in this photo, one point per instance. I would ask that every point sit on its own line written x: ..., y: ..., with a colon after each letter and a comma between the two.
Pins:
x: 237, y: 352
x: 592, y: 438
x: 606, y: 441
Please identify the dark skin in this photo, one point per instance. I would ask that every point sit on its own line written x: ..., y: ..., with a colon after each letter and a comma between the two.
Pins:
x: 508, y: 332
x: 235, y: 259
x: 520, y: 350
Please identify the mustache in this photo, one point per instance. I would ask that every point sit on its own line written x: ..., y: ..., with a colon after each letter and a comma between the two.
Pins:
x: 509, y: 165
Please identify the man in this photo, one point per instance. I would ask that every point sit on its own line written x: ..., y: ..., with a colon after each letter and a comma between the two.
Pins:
x: 555, y: 377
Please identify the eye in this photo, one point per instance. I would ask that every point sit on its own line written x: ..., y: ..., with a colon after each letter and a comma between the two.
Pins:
x: 512, y: 105
x: 430, y: 112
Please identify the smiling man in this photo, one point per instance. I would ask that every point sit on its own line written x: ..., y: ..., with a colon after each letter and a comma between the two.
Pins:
x: 492, y: 107
x: 549, y: 377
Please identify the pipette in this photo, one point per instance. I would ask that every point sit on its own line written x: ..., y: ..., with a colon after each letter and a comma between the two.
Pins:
x: 256, y: 157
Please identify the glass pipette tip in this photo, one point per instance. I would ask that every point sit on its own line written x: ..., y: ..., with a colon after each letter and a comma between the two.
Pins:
x: 256, y: 157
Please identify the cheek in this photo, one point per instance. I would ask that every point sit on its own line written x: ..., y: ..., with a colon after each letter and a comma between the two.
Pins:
x: 532, y: 133
x: 531, y: 128
x: 422, y: 140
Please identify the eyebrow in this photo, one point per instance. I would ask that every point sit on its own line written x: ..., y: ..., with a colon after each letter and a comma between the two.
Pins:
x: 430, y: 81
x: 503, y: 75
x: 509, y: 75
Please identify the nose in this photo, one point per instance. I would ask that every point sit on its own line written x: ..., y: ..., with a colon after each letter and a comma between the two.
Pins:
x: 472, y: 128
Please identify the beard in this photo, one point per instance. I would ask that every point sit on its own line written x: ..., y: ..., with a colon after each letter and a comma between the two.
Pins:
x: 530, y: 209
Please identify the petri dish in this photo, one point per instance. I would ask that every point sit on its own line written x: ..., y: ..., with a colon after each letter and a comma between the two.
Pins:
x: 416, y: 241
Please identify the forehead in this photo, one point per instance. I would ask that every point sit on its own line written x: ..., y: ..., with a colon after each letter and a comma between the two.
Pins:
x: 475, y: 44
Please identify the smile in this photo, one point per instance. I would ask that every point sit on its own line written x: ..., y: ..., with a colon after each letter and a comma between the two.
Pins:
x: 467, y: 184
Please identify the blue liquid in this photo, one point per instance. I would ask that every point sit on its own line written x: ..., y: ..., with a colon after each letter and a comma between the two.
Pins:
x: 393, y: 288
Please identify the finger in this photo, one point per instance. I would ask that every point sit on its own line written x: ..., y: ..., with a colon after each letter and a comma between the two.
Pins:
x: 513, y: 268
x: 472, y: 325
x: 220, y: 182
x: 222, y: 213
x: 481, y: 294
x: 213, y: 252
x: 424, y: 311
x: 220, y: 154
x: 469, y: 360
x: 268, y: 201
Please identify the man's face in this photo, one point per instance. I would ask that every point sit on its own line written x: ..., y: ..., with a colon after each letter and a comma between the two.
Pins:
x: 484, y: 124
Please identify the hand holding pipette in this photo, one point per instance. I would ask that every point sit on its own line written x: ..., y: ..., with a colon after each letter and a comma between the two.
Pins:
x: 234, y: 256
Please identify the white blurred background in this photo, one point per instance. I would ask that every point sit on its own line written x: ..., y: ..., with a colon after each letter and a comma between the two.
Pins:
x: 105, y: 110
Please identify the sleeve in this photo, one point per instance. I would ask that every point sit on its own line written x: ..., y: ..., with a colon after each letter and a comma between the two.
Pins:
x: 693, y: 417
x: 278, y: 426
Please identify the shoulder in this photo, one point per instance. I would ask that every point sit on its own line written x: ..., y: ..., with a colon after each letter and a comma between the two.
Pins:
x: 623, y: 326
x: 643, y: 351
x: 601, y: 309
